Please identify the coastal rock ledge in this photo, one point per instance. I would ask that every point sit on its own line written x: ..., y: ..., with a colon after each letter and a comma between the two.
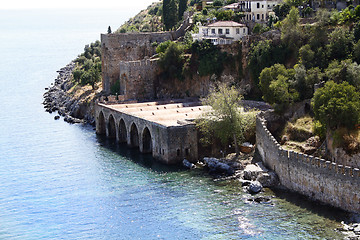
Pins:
x: 71, y: 101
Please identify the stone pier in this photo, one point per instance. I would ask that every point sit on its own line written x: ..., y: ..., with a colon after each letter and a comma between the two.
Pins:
x: 165, y: 129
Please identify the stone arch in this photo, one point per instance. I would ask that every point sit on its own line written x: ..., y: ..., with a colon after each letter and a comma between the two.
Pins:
x: 134, y: 136
x: 146, y: 141
x: 111, y: 127
x: 122, y: 131
x: 101, y: 125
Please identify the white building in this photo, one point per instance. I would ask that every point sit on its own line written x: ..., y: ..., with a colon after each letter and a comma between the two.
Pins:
x: 222, y: 32
x: 255, y: 10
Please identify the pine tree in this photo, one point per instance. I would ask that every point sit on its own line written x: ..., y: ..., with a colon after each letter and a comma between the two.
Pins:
x: 182, y: 8
x: 169, y: 14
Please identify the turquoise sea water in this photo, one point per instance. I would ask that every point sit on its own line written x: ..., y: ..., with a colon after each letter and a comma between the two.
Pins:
x: 60, y: 181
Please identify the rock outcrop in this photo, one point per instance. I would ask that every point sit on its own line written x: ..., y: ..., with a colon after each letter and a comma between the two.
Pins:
x: 75, y: 104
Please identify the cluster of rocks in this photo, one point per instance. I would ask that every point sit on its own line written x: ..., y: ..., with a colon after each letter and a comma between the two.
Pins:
x: 351, y: 231
x: 252, y: 175
x: 57, y: 99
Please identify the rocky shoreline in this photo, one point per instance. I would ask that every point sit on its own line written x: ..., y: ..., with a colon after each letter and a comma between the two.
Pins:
x: 246, y: 169
x: 58, y: 99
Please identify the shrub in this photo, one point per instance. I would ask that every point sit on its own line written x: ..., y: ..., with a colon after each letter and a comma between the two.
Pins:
x: 208, y: 58
x: 172, y: 60
x: 161, y: 48
x: 337, y: 105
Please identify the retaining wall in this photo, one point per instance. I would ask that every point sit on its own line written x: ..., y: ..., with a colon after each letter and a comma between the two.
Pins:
x: 321, y: 180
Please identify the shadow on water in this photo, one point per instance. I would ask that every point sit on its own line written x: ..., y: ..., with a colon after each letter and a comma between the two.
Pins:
x: 315, y: 207
x: 133, y: 154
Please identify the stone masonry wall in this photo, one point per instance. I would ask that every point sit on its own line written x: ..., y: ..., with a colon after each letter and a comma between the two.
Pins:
x: 321, y: 180
x: 137, y: 79
x: 169, y: 145
x: 126, y: 47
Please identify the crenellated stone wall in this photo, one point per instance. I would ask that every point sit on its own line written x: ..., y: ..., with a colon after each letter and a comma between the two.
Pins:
x: 322, y: 180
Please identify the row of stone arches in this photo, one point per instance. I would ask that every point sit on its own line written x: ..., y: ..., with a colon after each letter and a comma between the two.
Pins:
x: 120, y: 133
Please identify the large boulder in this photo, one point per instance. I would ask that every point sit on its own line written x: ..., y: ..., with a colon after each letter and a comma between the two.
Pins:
x: 255, y: 187
x: 252, y: 171
x: 217, y: 167
x: 268, y: 179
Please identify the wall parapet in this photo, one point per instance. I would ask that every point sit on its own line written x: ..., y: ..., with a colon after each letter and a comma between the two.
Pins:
x: 314, y: 177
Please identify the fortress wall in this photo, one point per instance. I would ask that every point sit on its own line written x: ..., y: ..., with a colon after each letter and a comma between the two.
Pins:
x: 126, y: 47
x: 321, y: 180
x: 137, y: 79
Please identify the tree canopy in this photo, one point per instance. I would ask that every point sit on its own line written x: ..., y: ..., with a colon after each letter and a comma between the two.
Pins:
x: 170, y: 14
x: 226, y: 119
x: 337, y: 105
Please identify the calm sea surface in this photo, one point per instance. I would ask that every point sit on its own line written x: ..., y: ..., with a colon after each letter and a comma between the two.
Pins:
x: 60, y: 181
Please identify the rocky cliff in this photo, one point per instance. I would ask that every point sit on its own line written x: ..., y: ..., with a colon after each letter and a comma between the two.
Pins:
x: 73, y: 102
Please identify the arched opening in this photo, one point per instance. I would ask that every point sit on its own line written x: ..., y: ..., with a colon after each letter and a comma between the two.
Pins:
x: 134, y: 136
x: 101, y: 125
x: 122, y: 131
x: 147, y: 142
x: 111, y: 127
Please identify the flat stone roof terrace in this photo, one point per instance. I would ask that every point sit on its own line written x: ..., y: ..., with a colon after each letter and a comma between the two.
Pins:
x: 166, y: 114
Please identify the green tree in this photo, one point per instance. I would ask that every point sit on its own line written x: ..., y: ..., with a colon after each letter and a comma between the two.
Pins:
x: 170, y: 14
x: 340, y: 43
x: 265, y: 54
x: 225, y: 15
x: 218, y: 3
x: 77, y: 74
x: 163, y: 46
x: 290, y: 29
x: 207, y: 57
x: 356, y: 52
x: 172, y: 61
x: 182, y: 8
x: 337, y: 105
x: 306, y: 56
x: 281, y: 10
x: 342, y: 71
x: 225, y: 120
x: 257, y: 28
x: 356, y: 32
x: 278, y: 87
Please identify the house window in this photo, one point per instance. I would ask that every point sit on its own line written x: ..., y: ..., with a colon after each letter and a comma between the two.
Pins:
x: 243, y: 30
x: 237, y: 31
x: 262, y: 6
x: 262, y: 16
x: 268, y: 6
x: 212, y: 31
x: 257, y: 16
x: 220, y: 31
x: 258, y: 5
x: 227, y: 31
